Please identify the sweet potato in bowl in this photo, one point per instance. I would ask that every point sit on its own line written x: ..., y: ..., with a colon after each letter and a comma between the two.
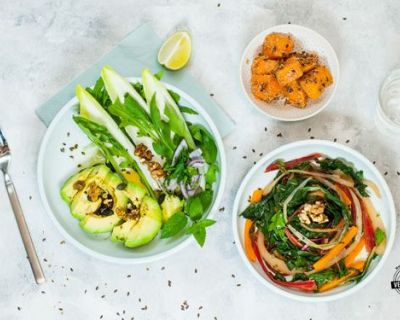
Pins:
x: 280, y: 73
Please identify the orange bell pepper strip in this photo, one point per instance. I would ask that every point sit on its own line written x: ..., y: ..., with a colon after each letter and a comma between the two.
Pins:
x: 256, y: 196
x: 337, y: 281
x: 348, y: 261
x: 248, y: 246
x: 332, y: 253
x: 359, y: 265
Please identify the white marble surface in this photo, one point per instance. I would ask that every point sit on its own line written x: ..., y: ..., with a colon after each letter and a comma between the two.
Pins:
x: 45, y: 43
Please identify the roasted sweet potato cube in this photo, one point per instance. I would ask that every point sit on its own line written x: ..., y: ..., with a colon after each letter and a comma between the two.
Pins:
x: 278, y: 45
x: 289, y: 71
x: 314, y: 82
x: 265, y: 87
x: 307, y: 60
x: 263, y: 65
x: 295, y: 95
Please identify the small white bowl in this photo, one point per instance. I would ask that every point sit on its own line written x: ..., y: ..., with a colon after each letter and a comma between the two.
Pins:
x: 256, y: 178
x: 307, y: 40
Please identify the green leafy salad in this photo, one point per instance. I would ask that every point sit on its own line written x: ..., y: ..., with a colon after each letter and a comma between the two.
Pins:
x: 158, y: 170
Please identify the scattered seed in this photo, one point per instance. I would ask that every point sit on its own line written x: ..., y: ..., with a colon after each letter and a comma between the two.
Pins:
x: 279, y: 135
x: 44, y: 239
x: 128, y: 293
x: 252, y: 150
x: 347, y: 141
x: 62, y: 149
x: 211, y: 94
x: 218, y: 5
x: 145, y: 307
x: 344, y: 18
x: 101, y: 317
x: 311, y: 137
x: 265, y: 129
x: 334, y: 140
x: 68, y: 134
x: 169, y: 283
x: 386, y: 173
x: 72, y: 270
x: 309, y: 130
x: 238, y: 285
x: 115, y: 290
x: 103, y: 296
x: 232, y: 275
x: 398, y: 173
x: 244, y: 157
x: 62, y: 242
x: 97, y: 288
x: 195, y: 270
x: 128, y: 276
x: 221, y: 209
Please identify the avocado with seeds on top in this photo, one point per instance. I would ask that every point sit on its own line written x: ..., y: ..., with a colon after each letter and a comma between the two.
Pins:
x: 143, y: 225
x: 74, y: 184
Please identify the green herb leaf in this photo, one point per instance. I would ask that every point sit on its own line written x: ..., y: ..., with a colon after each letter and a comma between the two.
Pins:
x: 277, y: 225
x: 174, y: 225
x: 205, y: 141
x: 187, y: 110
x: 198, y: 230
x: 194, y: 208
x: 358, y: 176
x: 322, y: 276
x: 380, y: 236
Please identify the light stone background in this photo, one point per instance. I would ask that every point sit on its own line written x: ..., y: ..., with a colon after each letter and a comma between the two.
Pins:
x: 46, y: 43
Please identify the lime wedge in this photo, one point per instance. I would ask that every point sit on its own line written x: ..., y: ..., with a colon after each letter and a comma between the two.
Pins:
x: 176, y: 50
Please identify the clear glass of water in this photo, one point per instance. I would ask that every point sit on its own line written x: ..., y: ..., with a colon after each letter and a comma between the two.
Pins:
x: 389, y: 102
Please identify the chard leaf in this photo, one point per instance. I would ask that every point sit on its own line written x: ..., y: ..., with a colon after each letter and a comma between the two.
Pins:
x: 205, y: 141
x: 380, y: 236
x: 174, y: 225
x: 198, y: 230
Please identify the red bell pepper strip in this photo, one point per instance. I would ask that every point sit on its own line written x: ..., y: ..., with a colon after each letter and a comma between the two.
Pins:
x: 293, y: 239
x: 369, y: 232
x: 292, y: 163
x: 303, y: 285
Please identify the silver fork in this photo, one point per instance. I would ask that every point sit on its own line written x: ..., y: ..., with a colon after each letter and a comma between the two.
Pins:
x: 5, y: 158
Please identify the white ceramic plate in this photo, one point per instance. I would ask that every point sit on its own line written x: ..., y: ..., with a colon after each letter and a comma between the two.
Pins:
x: 305, y: 39
x: 257, y: 178
x: 54, y: 167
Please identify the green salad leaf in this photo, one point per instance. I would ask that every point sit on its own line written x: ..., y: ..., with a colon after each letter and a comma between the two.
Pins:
x: 358, y: 176
x: 198, y: 230
x: 380, y: 236
x: 174, y: 225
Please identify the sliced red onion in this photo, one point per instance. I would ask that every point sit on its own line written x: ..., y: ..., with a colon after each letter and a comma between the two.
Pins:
x: 202, y: 182
x: 182, y: 145
x: 184, y: 190
x: 173, y: 185
x: 195, y: 153
x: 192, y: 192
x: 197, y: 164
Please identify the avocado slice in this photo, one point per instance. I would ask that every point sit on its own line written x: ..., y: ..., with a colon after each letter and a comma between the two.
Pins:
x: 142, y: 228
x: 135, y: 193
x: 80, y: 205
x: 171, y: 205
x: 73, y: 184
x: 102, y: 203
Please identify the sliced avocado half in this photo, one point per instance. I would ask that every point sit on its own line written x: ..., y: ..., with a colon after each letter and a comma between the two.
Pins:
x: 74, y: 184
x: 100, y: 204
x: 141, y: 228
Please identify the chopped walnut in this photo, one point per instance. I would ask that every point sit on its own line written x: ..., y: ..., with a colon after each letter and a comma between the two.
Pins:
x: 146, y: 157
x: 313, y: 213
x: 143, y: 152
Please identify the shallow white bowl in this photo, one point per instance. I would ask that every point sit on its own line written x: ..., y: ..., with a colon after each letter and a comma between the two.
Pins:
x: 55, y: 167
x: 305, y: 39
x: 257, y: 178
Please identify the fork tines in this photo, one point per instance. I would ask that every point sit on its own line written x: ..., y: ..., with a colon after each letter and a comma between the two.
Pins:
x: 3, y: 144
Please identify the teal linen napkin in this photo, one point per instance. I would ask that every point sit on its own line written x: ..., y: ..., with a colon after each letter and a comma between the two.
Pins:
x: 139, y: 49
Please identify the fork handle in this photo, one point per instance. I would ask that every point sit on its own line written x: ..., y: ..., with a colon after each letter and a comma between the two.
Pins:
x: 24, y: 231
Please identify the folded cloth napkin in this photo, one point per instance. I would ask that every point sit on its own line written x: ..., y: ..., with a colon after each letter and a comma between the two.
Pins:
x: 139, y: 49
